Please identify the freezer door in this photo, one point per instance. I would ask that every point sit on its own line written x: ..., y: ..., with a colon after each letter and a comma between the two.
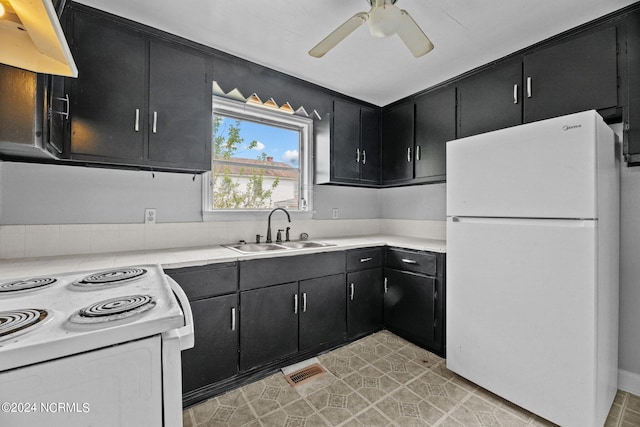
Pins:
x: 545, y: 169
x: 521, y: 312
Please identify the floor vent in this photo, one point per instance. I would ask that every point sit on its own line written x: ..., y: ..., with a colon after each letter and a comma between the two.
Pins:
x: 305, y: 374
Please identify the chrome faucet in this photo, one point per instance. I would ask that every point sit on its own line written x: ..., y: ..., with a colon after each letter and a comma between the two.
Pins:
x: 269, y: 223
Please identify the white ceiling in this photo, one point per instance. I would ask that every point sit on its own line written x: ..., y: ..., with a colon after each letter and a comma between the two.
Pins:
x: 279, y: 33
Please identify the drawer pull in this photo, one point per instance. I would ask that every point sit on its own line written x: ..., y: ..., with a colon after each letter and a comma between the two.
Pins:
x: 366, y: 259
x: 409, y: 261
x: 233, y: 319
x: 155, y: 122
x: 352, y: 290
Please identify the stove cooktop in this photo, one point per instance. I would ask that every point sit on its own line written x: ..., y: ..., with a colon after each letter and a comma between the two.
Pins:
x: 42, y: 318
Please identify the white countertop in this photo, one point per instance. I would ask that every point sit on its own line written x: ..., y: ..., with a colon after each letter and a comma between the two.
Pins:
x: 188, y: 257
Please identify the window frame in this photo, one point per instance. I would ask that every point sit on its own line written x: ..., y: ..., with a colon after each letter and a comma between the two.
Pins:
x: 236, y: 109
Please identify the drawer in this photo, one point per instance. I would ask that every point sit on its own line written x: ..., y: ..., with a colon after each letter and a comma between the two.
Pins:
x: 207, y: 280
x: 362, y: 259
x: 415, y: 261
x: 258, y: 273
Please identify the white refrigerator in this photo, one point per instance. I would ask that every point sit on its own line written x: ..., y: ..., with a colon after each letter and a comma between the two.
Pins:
x: 532, y: 265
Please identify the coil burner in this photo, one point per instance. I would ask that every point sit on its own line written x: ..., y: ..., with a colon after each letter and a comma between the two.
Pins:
x: 110, y: 277
x: 26, y: 284
x: 114, y: 309
x: 15, y: 322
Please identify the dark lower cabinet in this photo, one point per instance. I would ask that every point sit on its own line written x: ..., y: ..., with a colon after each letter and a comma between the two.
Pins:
x: 364, y: 302
x: 414, y: 299
x: 214, y: 356
x: 409, y: 305
x: 269, y: 322
x: 322, y: 312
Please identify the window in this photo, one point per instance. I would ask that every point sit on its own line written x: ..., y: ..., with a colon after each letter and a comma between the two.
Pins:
x: 260, y: 158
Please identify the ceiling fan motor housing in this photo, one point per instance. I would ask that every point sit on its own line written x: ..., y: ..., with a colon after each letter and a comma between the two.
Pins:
x: 384, y: 18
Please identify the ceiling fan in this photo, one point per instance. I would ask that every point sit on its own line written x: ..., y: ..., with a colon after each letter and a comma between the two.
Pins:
x: 385, y: 19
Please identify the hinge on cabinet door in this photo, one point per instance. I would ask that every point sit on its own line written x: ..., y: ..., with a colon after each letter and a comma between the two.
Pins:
x: 386, y: 287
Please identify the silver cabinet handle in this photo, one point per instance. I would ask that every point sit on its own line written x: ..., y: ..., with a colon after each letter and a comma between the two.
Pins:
x: 364, y: 157
x: 136, y: 127
x: 528, y: 87
x: 295, y: 303
x: 155, y: 121
x: 409, y: 261
x: 417, y: 152
x: 233, y: 319
x: 357, y: 155
x: 515, y: 93
x: 386, y: 285
x: 304, y: 302
x: 365, y: 259
x: 408, y: 154
x: 352, y: 287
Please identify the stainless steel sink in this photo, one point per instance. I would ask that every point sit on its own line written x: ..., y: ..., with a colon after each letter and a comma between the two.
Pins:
x: 248, y: 248
x: 255, y: 247
x: 305, y: 244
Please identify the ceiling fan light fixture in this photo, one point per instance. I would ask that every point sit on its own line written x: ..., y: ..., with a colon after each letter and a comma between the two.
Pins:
x: 384, y: 21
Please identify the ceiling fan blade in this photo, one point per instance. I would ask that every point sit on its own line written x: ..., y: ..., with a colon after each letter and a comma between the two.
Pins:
x: 411, y: 34
x: 339, y: 34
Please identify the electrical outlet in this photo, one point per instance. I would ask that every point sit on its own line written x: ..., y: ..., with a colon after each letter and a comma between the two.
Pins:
x: 149, y: 216
x: 334, y: 213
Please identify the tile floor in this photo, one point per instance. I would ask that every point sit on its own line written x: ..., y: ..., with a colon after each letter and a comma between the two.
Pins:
x: 380, y: 380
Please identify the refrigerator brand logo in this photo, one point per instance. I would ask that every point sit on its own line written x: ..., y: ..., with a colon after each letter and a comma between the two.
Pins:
x: 569, y: 127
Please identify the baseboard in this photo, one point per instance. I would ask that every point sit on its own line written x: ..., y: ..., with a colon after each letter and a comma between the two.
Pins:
x: 629, y: 382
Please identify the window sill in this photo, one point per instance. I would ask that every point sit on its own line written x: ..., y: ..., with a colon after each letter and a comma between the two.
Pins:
x: 249, y: 215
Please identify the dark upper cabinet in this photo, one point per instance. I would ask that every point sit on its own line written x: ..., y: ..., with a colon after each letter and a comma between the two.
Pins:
x: 345, y: 141
x: 109, y: 96
x: 179, y: 106
x: 435, y: 124
x: 350, y: 152
x: 491, y: 99
x: 370, y: 145
x: 137, y: 100
x: 574, y: 75
x: 397, y: 143
x: 632, y: 119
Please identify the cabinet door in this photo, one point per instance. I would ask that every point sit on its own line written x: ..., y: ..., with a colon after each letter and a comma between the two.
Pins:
x: 576, y: 75
x: 215, y: 353
x: 108, y: 98
x: 364, y: 302
x: 397, y: 143
x: 269, y: 321
x: 435, y: 125
x: 323, y: 317
x: 491, y: 99
x: 409, y: 306
x: 179, y: 106
x: 370, y: 145
x: 345, y: 141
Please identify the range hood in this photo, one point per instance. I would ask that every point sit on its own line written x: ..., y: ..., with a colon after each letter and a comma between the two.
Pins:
x: 32, y: 38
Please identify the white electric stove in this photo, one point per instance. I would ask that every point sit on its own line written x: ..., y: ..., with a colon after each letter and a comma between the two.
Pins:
x: 93, y: 348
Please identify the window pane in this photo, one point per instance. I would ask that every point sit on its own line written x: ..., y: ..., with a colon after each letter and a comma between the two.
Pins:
x: 255, y: 165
